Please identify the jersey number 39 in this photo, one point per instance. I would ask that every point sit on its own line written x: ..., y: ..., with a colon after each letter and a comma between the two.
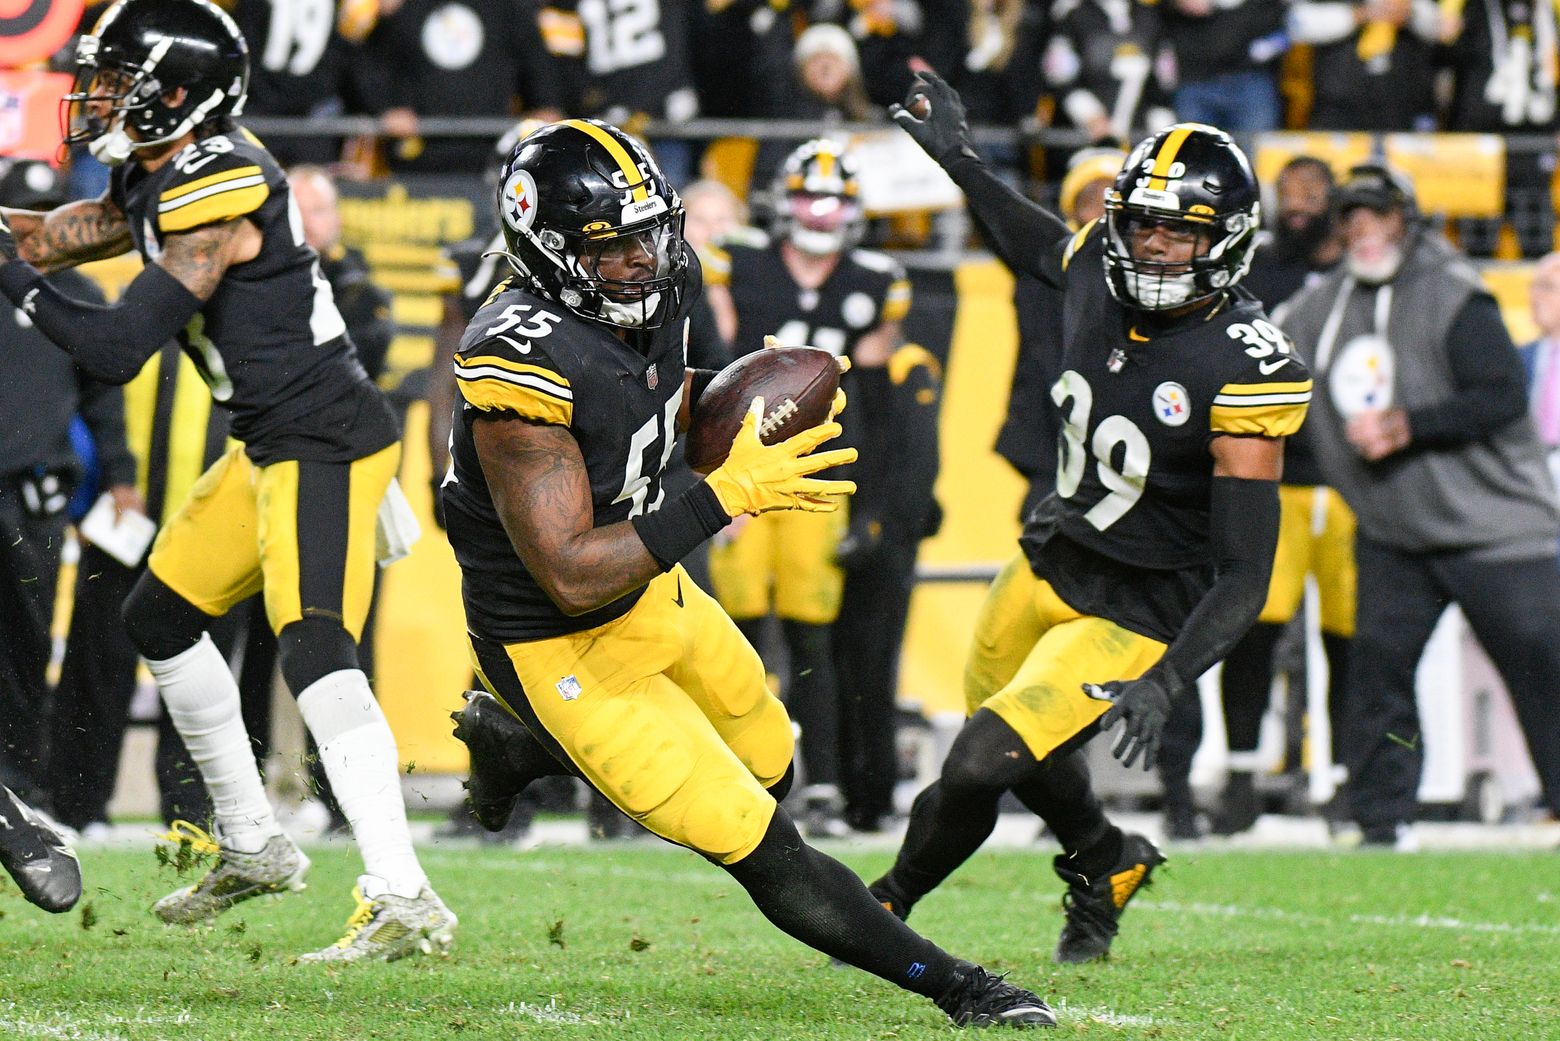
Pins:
x: 1124, y: 482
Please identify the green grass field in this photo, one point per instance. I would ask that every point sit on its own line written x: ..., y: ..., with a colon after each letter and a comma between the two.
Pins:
x: 646, y: 942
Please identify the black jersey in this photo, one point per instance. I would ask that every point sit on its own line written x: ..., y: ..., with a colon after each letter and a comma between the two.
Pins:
x: 1125, y: 536
x: 270, y: 342
x: 865, y: 290
x: 527, y: 356
x: 1108, y: 58
x: 636, y: 58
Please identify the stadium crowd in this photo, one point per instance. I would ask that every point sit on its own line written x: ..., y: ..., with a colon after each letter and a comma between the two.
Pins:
x: 1348, y: 267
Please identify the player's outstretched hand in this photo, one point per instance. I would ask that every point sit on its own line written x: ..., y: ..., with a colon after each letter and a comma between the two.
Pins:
x: 934, y: 116
x: 8, y: 250
x: 757, y: 478
x: 1143, y: 706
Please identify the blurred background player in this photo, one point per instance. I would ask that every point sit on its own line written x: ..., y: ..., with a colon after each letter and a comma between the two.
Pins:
x: 41, y: 389
x: 810, y: 285
x: 1028, y: 436
x: 892, y: 511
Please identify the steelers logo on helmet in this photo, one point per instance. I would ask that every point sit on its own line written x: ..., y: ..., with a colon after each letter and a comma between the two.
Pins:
x: 1180, y: 219
x: 590, y: 223
x: 818, y: 199
x: 517, y: 200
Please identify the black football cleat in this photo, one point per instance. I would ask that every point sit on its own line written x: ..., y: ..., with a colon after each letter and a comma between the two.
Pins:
x: 981, y: 999
x: 487, y: 729
x: 37, y: 856
x: 1094, y: 906
x: 1239, y: 806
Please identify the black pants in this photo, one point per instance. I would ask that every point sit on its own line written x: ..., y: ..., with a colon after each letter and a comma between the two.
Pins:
x: 867, y: 639
x: 1514, y: 610
x: 97, y: 682
x: 29, y: 571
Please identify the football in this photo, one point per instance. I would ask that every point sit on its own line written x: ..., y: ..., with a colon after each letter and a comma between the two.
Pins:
x: 796, y: 383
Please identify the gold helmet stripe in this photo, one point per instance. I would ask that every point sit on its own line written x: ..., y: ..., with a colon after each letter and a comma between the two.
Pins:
x: 618, y: 153
x: 1166, y: 157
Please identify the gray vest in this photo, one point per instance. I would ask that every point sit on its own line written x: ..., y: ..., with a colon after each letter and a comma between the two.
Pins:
x: 1386, y: 346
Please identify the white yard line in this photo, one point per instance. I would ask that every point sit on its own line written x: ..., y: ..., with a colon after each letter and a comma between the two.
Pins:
x: 1422, y: 921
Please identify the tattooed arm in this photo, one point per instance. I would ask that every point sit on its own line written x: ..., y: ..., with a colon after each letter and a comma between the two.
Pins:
x: 542, y: 492
x: 112, y: 343
x: 75, y: 233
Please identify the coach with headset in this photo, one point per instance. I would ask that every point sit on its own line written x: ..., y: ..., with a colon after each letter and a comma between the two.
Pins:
x: 1424, y: 430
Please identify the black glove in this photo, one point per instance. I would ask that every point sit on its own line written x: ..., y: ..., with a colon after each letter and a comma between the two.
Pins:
x: 8, y: 249
x: 943, y: 132
x: 1144, y: 703
x: 860, y: 545
x: 438, y: 500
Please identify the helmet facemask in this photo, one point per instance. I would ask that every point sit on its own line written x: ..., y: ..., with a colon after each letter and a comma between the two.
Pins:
x: 127, y: 66
x: 818, y: 199
x: 1217, y: 253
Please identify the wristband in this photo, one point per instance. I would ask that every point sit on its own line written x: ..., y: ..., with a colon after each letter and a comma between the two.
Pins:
x: 677, y: 529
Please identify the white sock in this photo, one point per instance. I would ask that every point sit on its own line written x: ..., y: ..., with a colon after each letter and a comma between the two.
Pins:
x: 358, y: 752
x: 201, y: 697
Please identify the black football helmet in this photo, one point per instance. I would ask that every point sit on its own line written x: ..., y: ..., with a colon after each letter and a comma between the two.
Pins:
x: 1190, y: 179
x: 576, y: 191
x: 139, y: 51
x: 818, y: 199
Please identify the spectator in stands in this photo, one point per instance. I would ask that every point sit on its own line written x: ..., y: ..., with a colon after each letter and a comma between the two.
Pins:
x: 1225, y: 51
x: 1541, y: 358
x: 1373, y: 62
x: 1425, y: 433
x: 1110, y: 67
x: 1503, y: 56
x: 989, y: 50
x: 40, y: 390
x: 473, y: 58
x: 302, y: 61
x: 827, y: 88
x: 742, y: 64
x: 1316, y: 528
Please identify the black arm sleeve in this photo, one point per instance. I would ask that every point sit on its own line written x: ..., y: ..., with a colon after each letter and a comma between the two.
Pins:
x: 109, y: 343
x: 868, y: 423
x: 1025, y: 236
x: 1491, y: 385
x: 1243, y: 534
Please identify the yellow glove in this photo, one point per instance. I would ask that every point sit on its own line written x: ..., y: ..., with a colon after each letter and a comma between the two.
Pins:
x: 757, y: 478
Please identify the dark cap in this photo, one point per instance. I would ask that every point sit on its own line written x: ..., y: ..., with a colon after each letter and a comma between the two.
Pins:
x: 31, y: 184
x: 1377, y: 187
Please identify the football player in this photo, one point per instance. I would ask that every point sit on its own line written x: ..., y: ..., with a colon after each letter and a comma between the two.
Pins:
x: 292, y: 509
x: 810, y: 285
x: 573, y: 383
x: 1151, y: 558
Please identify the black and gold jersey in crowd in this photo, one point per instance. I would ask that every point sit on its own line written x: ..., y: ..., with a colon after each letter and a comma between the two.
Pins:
x: 471, y: 269
x: 864, y: 291
x: 526, y: 356
x: 1125, y: 536
x: 270, y: 342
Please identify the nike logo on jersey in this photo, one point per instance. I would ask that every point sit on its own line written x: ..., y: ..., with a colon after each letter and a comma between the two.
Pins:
x: 678, y: 600
x: 1135, y: 336
x: 1270, y: 367
x: 523, y: 346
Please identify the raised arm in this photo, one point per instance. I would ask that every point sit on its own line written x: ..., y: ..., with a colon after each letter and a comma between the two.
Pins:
x: 75, y: 233
x: 1025, y: 236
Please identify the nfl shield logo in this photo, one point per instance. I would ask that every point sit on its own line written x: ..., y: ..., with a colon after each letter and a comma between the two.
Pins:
x: 569, y: 687
x: 652, y: 377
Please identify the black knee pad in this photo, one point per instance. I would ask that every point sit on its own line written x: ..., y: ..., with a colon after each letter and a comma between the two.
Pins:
x: 161, y: 623
x: 313, y: 648
x: 988, y: 754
